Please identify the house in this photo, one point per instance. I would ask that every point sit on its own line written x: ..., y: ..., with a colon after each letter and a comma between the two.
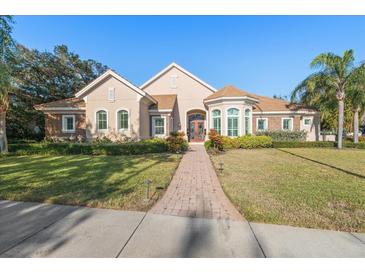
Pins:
x: 172, y: 100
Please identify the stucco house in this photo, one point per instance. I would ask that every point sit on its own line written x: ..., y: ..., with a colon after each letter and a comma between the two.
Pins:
x: 172, y: 100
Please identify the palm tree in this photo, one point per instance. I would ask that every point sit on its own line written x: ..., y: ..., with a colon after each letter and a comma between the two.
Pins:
x: 6, y: 46
x: 331, y: 82
x: 357, y: 97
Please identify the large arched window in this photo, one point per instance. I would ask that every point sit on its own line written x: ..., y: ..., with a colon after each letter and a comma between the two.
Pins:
x: 122, y: 120
x: 216, y: 119
x: 232, y: 122
x: 248, y: 121
x: 101, y: 120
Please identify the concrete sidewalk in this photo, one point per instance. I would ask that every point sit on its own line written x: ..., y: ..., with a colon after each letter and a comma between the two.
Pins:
x: 41, y: 230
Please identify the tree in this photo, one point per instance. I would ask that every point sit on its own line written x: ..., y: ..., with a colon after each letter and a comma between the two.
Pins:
x: 6, y: 47
x: 357, y: 97
x: 41, y: 77
x: 329, y: 85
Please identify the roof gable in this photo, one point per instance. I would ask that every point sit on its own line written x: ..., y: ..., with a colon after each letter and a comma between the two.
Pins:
x: 106, y: 75
x: 174, y: 65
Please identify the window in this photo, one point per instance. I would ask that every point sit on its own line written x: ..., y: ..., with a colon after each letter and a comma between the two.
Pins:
x: 173, y: 83
x: 287, y: 123
x: 248, y: 126
x: 122, y: 120
x: 307, y: 121
x: 101, y: 120
x: 232, y: 122
x: 262, y: 124
x: 216, y: 116
x: 68, y: 123
x: 158, y: 126
x: 111, y: 94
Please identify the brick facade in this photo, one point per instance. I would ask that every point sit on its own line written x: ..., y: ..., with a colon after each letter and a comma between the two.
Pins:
x: 274, y: 121
x: 53, y: 125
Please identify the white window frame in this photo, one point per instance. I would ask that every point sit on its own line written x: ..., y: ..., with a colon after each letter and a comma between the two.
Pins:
x: 266, y: 124
x: 250, y: 121
x: 96, y: 121
x: 292, y: 123
x: 238, y: 122
x: 111, y: 94
x: 117, y: 120
x: 64, y: 124
x: 212, y: 119
x: 307, y: 118
x: 153, y: 126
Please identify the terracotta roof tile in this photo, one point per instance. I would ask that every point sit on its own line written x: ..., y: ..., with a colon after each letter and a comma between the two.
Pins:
x: 230, y: 91
x: 65, y: 103
x: 271, y: 104
x: 164, y: 101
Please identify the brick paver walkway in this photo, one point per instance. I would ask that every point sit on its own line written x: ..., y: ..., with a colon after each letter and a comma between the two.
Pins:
x: 195, y: 190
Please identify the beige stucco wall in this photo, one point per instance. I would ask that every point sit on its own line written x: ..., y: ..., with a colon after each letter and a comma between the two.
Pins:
x: 125, y: 98
x: 313, y: 131
x: 190, y: 95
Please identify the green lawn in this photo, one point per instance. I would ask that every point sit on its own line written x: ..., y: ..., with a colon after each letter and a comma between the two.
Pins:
x: 272, y: 186
x: 95, y: 181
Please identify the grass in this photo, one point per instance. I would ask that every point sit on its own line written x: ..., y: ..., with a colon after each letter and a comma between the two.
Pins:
x: 275, y: 186
x: 95, y: 181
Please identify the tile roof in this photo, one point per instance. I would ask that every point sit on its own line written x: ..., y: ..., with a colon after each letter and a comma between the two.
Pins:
x: 164, y: 101
x: 271, y: 104
x: 230, y: 91
x: 64, y: 103
x: 264, y: 103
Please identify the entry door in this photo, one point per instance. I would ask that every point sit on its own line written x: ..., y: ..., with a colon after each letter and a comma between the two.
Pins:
x: 196, y: 131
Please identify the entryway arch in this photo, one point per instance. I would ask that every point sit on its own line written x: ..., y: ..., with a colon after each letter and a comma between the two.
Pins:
x: 196, y: 125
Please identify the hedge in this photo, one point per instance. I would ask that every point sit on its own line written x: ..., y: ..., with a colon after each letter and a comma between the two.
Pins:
x: 284, y: 135
x: 130, y: 148
x: 316, y: 144
x: 291, y: 144
x: 246, y: 142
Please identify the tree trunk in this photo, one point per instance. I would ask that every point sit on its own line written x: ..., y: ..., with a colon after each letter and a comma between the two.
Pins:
x: 3, y: 139
x: 340, y: 123
x: 356, y: 126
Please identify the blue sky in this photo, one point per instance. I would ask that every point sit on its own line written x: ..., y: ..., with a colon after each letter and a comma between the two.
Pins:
x: 262, y: 54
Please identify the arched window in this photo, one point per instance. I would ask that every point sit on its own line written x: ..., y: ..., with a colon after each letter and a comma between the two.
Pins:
x: 216, y: 118
x: 122, y: 120
x: 248, y: 121
x: 101, y: 120
x: 232, y: 122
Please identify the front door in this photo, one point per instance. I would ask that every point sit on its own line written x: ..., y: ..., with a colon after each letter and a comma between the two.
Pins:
x: 196, y: 131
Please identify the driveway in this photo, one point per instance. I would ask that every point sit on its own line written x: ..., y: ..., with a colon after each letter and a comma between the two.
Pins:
x: 43, y: 230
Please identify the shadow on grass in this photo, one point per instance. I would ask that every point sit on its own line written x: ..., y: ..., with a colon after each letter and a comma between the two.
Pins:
x: 324, y: 164
x: 75, y: 180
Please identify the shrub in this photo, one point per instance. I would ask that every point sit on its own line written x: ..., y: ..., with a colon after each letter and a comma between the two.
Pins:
x: 130, y: 148
x: 176, y: 142
x: 216, y: 140
x: 208, y: 144
x: 284, y: 135
x: 360, y: 145
x: 229, y: 143
x: 291, y: 144
x: 249, y: 142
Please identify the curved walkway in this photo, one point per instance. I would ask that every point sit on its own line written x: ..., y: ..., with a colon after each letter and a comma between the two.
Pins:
x: 195, y: 190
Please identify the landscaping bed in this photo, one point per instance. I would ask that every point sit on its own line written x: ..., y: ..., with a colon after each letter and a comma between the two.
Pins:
x: 326, y: 190
x: 96, y: 181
